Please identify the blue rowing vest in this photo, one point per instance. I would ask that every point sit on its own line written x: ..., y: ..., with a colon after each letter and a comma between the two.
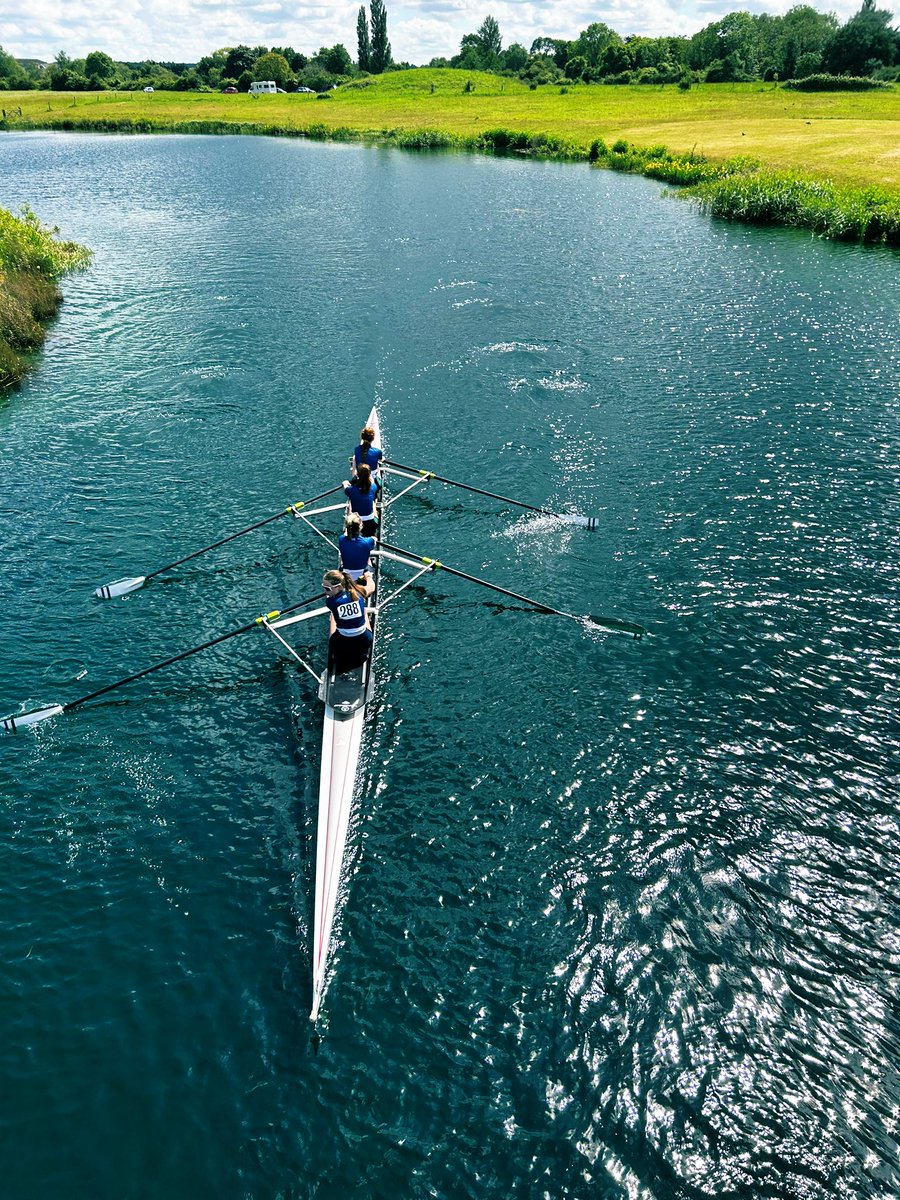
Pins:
x: 349, y: 613
x: 355, y: 552
x: 362, y: 502
x: 371, y: 457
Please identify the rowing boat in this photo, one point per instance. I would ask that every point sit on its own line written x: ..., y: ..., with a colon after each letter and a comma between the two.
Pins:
x: 345, y: 694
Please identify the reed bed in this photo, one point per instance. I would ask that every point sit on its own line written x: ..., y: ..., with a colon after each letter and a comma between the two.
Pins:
x: 32, y: 258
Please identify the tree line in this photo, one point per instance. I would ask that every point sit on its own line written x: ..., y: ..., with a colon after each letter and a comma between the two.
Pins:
x: 740, y: 47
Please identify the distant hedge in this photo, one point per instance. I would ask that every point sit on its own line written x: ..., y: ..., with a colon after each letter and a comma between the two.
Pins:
x: 837, y: 83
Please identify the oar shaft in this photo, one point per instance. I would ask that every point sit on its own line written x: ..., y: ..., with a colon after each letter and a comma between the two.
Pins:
x: 612, y: 623
x: 223, y: 637
x: 231, y: 537
x: 468, y: 488
x: 442, y: 566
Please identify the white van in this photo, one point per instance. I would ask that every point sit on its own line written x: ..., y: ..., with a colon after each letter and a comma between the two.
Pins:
x: 263, y: 87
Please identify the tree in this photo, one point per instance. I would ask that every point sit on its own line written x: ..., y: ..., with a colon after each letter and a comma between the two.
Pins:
x: 335, y: 60
x: 238, y: 59
x: 295, y: 60
x: 614, y: 60
x: 489, y: 39
x: 380, y: 52
x: 273, y: 66
x: 514, y: 57
x: 190, y: 81
x: 363, y: 48
x: 100, y: 66
x: 576, y: 67
x: 591, y: 42
x: 211, y: 67
x: 802, y: 32
x: 555, y: 48
x: 866, y: 41
x: 11, y: 73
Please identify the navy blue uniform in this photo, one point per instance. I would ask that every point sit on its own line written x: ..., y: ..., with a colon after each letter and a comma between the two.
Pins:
x: 355, y: 553
x: 350, y: 642
x: 371, y: 456
x: 363, y: 503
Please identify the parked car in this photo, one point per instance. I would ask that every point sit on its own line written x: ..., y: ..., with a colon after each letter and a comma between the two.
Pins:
x: 309, y: 90
x: 148, y: 89
x: 230, y: 91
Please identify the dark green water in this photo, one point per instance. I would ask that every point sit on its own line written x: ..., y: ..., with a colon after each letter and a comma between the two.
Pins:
x: 622, y: 917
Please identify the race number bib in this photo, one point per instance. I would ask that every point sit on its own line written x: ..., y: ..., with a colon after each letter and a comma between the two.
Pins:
x: 349, y: 611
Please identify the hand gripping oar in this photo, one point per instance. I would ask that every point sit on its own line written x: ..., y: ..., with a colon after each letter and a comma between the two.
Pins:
x: 570, y: 518
x: 19, y: 721
x: 121, y: 587
x: 611, y: 623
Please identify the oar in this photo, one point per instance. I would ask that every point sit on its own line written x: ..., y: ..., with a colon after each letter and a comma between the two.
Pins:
x: 612, y: 623
x: 121, y: 587
x: 14, y: 723
x: 570, y: 518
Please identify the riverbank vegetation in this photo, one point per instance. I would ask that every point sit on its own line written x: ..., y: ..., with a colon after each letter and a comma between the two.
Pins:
x: 32, y: 259
x: 744, y: 151
x: 791, y: 119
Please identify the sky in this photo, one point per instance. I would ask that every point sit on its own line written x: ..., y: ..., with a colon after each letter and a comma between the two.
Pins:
x: 419, y: 30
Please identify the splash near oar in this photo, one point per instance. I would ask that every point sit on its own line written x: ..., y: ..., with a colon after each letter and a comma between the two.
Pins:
x: 569, y: 518
x: 121, y: 587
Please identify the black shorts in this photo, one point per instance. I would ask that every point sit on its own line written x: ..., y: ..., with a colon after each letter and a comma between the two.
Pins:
x: 348, y: 653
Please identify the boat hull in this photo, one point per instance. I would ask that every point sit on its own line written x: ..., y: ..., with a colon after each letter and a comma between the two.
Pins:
x: 345, y: 707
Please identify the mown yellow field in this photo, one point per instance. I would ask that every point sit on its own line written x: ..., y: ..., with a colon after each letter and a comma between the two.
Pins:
x: 845, y: 136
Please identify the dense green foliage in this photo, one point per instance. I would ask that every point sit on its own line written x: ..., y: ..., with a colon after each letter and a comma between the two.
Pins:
x: 742, y: 46
x: 31, y: 260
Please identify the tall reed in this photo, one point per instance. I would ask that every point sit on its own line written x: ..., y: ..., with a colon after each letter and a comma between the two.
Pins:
x: 32, y: 258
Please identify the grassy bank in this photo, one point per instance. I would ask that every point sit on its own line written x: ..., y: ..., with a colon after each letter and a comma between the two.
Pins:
x: 824, y: 159
x: 32, y: 258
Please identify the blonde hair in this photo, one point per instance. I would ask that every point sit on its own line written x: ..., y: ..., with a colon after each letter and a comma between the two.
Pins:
x: 341, y: 579
x: 353, y: 525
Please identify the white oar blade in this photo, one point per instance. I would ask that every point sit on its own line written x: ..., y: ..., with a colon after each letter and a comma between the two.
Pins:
x: 21, y: 720
x: 120, y: 587
x: 577, y: 519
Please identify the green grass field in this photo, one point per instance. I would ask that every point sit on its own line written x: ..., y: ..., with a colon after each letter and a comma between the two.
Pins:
x: 849, y: 137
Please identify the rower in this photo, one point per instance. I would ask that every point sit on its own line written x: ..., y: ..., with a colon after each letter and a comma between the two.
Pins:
x: 355, y: 549
x: 362, y: 491
x: 350, y: 629
x: 366, y: 452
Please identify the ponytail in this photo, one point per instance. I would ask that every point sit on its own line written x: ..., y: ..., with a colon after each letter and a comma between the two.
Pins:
x: 364, y: 477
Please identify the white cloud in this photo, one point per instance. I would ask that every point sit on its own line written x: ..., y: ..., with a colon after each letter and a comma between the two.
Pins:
x: 184, y: 30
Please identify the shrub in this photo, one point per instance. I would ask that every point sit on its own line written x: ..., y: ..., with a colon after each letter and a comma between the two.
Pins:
x: 836, y: 83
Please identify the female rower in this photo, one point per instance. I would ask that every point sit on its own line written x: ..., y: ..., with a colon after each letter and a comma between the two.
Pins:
x: 354, y: 548
x: 350, y: 632
x: 362, y: 491
x: 366, y: 453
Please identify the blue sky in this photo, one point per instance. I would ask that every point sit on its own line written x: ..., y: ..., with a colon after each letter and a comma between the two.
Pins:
x: 183, y: 30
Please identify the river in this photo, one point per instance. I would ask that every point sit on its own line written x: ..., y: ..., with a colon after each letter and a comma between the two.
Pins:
x: 621, y: 917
